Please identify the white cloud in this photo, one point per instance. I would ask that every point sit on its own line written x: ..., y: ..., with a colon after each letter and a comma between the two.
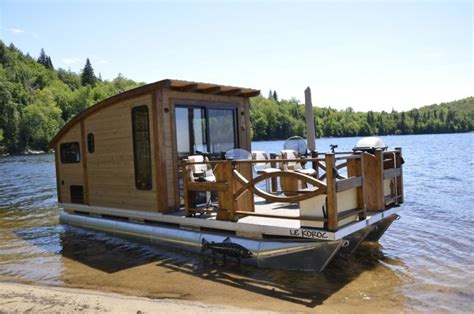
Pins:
x: 15, y: 30
x: 102, y: 61
x: 18, y: 31
x: 72, y: 60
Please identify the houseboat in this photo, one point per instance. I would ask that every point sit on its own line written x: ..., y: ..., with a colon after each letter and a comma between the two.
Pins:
x: 171, y: 163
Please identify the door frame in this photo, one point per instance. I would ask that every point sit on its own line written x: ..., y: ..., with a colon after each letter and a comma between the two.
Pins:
x: 212, y: 104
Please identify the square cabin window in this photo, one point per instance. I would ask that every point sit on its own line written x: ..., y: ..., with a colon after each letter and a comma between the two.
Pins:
x: 70, y: 153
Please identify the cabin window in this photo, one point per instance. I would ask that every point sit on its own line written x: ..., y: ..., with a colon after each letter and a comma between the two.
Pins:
x: 201, y: 129
x: 90, y: 143
x: 141, y: 148
x: 70, y: 153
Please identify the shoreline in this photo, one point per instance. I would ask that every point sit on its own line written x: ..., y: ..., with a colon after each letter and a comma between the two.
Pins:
x: 16, y: 297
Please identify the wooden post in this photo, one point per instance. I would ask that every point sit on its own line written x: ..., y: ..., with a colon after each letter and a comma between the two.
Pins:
x: 400, y: 178
x: 187, y: 176
x: 331, y: 192
x: 274, y: 181
x: 373, y: 181
x: 226, y: 198
x: 355, y: 169
x: 314, y: 154
x: 310, y: 131
x: 380, y: 199
x: 361, y: 196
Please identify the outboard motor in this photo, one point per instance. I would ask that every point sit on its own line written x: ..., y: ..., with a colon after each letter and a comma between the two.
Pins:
x: 369, y: 145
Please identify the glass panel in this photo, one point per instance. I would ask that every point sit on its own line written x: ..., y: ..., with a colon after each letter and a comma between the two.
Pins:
x: 221, y: 130
x: 198, y: 118
x: 141, y: 148
x: 190, y: 131
x: 70, y: 153
x: 90, y: 143
x: 182, y: 131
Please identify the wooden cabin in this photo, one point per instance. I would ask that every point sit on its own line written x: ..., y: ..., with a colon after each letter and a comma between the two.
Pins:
x: 124, y: 152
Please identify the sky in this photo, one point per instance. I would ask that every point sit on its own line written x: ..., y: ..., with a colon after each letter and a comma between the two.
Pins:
x: 370, y: 55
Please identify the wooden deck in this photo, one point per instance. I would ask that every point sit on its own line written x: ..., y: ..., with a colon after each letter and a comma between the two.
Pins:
x: 250, y: 226
x: 278, y: 209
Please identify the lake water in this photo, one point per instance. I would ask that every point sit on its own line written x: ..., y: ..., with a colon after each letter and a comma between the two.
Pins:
x: 424, y: 262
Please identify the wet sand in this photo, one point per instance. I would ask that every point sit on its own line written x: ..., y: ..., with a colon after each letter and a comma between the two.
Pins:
x: 26, y: 298
x: 141, y: 271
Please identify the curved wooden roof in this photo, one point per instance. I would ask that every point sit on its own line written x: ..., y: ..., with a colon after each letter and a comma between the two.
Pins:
x: 179, y: 85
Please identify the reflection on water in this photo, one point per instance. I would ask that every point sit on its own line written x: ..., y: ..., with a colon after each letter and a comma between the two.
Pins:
x: 424, y: 261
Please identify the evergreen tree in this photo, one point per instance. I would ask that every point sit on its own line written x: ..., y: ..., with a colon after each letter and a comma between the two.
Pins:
x: 87, y: 76
x: 49, y: 63
x: 270, y: 94
x: 43, y: 58
x: 381, y: 127
x: 275, y: 96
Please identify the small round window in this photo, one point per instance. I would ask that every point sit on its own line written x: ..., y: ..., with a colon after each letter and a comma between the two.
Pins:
x: 90, y: 143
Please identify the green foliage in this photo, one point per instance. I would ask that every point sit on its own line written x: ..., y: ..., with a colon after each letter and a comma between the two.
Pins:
x: 87, y: 76
x: 272, y: 119
x: 36, y: 100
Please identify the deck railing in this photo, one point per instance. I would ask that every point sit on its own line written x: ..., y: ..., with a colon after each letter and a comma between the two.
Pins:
x: 373, y: 182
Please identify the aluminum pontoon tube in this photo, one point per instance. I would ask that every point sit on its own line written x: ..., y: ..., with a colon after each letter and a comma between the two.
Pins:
x: 380, y: 227
x: 291, y: 254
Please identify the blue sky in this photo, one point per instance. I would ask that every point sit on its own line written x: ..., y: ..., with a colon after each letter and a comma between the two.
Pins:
x: 371, y: 55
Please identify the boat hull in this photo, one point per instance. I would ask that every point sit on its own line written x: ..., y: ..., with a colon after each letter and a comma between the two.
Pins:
x: 288, y: 253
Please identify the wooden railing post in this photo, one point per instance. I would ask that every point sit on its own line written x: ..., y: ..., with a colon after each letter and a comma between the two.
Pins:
x: 361, y: 191
x: 355, y: 169
x: 331, y: 192
x: 373, y: 181
x: 314, y: 155
x: 225, y: 198
x: 378, y: 173
x: 273, y: 164
x: 400, y: 178
x: 187, y: 176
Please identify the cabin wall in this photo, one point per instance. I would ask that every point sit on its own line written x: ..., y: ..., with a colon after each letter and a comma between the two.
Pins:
x: 108, y: 175
x: 110, y: 168
x: 69, y: 174
x: 167, y: 100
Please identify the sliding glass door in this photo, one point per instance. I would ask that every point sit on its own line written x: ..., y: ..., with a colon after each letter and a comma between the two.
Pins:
x: 204, y: 130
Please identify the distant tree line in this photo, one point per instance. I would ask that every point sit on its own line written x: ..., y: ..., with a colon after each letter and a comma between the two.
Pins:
x: 275, y: 120
x: 36, y: 100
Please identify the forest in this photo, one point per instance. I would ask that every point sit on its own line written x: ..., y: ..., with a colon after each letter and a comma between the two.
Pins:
x: 37, y: 99
x: 274, y: 119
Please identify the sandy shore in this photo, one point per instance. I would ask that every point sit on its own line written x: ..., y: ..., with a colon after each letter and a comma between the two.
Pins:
x: 25, y: 298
